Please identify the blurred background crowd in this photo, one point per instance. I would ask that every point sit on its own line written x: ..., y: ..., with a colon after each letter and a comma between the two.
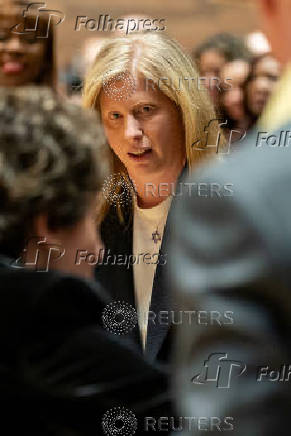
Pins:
x: 233, y: 57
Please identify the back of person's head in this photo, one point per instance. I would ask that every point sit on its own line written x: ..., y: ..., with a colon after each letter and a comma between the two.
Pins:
x: 27, y: 44
x: 50, y: 163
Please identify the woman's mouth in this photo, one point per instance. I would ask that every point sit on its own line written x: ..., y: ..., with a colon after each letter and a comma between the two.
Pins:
x: 140, y: 154
x: 12, y: 67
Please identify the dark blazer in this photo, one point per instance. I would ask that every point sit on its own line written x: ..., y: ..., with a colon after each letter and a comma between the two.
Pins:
x: 60, y: 370
x: 234, y: 254
x: 119, y: 283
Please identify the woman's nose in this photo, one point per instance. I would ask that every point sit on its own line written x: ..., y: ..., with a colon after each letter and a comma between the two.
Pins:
x: 132, y: 128
x: 263, y: 84
x: 14, y: 45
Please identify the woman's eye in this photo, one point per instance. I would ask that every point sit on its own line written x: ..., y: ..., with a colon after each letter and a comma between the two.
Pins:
x: 114, y: 116
x: 146, y: 108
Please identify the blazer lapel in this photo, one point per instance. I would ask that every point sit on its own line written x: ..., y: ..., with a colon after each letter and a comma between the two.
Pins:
x: 159, y: 323
x: 118, y: 279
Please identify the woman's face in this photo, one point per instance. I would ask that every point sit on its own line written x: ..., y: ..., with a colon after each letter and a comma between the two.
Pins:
x: 21, y: 56
x: 265, y: 76
x: 232, y: 98
x: 210, y: 64
x: 144, y: 130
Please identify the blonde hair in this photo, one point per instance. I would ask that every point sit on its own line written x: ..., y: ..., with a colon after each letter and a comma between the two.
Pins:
x: 156, y: 56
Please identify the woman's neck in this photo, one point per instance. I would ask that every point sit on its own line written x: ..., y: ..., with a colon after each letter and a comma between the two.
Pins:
x: 154, y: 189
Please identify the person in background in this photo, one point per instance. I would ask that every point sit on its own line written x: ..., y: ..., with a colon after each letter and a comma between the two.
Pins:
x: 231, y: 101
x: 265, y: 71
x: 60, y: 370
x: 26, y: 57
x: 213, y: 53
x: 151, y: 129
x: 233, y: 256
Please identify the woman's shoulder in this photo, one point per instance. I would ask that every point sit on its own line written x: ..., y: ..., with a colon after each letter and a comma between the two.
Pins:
x: 117, y: 221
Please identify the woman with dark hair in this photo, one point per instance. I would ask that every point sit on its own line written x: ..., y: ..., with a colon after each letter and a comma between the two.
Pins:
x: 264, y: 73
x: 213, y: 53
x: 231, y: 100
x: 26, y: 57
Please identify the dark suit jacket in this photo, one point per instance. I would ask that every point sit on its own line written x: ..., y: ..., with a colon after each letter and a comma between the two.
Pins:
x: 234, y: 254
x: 60, y: 370
x: 118, y: 281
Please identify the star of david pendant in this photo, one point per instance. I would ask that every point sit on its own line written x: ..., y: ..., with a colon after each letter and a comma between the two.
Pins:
x: 156, y: 237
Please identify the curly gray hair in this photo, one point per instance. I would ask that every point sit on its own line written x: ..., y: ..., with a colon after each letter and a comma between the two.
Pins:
x: 52, y: 161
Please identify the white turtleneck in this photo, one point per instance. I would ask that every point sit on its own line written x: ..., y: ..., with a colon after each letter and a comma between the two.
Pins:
x: 145, y: 223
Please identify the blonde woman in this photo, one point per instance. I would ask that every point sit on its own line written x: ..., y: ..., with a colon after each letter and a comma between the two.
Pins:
x: 155, y: 112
